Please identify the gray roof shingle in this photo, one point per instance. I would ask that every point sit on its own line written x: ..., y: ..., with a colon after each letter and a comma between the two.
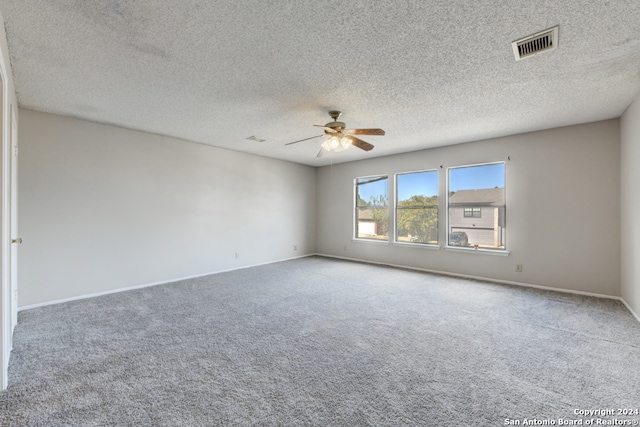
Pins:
x: 484, y: 197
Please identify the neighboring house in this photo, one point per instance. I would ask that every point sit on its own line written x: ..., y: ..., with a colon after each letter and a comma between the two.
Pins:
x: 480, y: 214
x: 366, y: 225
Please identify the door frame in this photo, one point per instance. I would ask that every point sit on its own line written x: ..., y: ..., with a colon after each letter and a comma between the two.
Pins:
x: 15, y: 239
x: 6, y: 323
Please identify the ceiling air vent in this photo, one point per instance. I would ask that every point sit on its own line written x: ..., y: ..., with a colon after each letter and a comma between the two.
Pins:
x: 536, y: 43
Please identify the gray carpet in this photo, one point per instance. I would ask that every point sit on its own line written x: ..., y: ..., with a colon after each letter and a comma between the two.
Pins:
x: 316, y: 341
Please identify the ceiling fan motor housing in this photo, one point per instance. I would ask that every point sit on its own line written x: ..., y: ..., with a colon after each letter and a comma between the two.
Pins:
x: 338, y: 126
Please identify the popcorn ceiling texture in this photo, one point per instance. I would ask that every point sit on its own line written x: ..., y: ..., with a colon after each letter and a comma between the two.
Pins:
x: 429, y: 73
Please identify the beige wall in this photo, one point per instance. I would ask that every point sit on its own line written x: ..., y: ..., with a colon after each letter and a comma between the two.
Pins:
x: 630, y: 195
x: 104, y: 208
x: 563, y: 208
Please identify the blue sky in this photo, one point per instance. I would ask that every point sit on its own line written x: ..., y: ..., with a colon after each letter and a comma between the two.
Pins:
x: 421, y: 183
x: 476, y: 177
x: 372, y: 189
x: 426, y: 183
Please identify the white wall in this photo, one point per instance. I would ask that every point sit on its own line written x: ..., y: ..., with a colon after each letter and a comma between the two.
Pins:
x: 630, y: 197
x: 563, y: 208
x: 105, y: 208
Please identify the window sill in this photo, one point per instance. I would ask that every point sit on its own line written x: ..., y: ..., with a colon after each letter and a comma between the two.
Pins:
x: 372, y: 241
x: 417, y: 245
x: 482, y: 251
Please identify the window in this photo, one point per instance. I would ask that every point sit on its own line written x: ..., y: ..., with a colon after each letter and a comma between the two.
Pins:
x: 372, y: 211
x: 472, y: 212
x: 417, y: 207
x: 477, y: 209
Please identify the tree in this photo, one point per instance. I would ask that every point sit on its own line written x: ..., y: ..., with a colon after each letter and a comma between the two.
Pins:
x: 380, y: 213
x: 418, y: 217
x: 360, y: 201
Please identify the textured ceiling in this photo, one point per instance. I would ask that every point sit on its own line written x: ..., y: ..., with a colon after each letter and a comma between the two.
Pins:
x: 430, y: 73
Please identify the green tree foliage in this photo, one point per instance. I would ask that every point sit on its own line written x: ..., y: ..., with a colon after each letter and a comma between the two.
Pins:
x: 418, y: 218
x: 379, y: 201
x: 360, y: 201
x: 380, y: 216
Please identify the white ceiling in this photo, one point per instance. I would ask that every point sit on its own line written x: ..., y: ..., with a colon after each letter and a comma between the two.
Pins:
x: 430, y: 73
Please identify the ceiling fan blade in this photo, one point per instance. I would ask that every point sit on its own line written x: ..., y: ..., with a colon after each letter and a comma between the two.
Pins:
x: 361, y: 144
x: 321, y: 152
x: 365, y: 132
x: 300, y: 140
x: 327, y: 129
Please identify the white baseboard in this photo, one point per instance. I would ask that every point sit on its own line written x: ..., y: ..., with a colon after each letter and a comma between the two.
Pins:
x: 146, y: 285
x: 630, y: 309
x: 426, y: 270
x: 487, y: 279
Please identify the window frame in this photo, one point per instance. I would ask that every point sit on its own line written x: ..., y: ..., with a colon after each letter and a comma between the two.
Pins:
x: 354, y: 211
x: 473, y: 212
x: 495, y: 251
x: 436, y: 206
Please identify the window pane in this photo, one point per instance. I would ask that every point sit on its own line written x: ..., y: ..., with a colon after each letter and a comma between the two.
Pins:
x: 477, y: 206
x: 472, y: 212
x: 417, y: 207
x: 372, y: 212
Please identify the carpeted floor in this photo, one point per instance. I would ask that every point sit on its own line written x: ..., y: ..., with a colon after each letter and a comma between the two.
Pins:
x: 317, y: 341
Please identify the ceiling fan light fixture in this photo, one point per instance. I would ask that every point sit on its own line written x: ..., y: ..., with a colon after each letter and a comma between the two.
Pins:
x: 345, y: 142
x: 341, y: 138
x: 337, y: 143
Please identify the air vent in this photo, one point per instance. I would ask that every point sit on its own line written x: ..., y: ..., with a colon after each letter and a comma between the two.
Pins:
x: 536, y: 43
x: 256, y: 139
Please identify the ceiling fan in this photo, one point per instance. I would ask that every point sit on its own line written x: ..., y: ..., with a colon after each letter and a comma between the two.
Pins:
x: 341, y: 138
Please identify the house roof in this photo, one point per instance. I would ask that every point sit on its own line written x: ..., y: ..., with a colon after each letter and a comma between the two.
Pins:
x: 430, y: 73
x: 480, y: 197
x: 365, y: 214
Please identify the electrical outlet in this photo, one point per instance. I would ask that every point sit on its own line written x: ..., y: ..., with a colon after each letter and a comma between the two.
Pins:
x: 345, y: 247
x: 237, y: 255
x: 295, y: 247
x: 518, y: 268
